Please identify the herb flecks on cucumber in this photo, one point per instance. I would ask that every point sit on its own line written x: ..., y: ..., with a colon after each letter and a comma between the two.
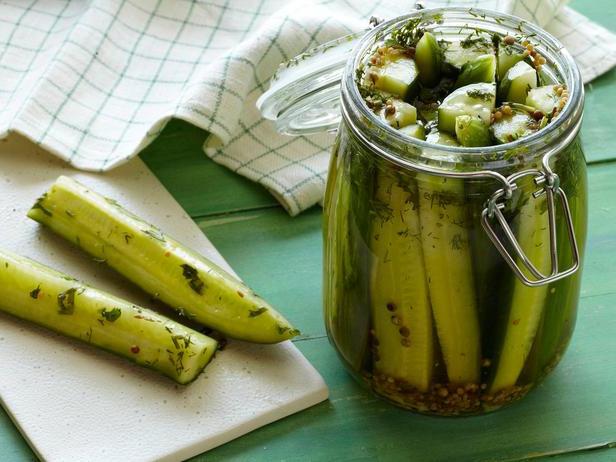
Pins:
x: 442, y: 78
x: 71, y: 308
x: 178, y: 276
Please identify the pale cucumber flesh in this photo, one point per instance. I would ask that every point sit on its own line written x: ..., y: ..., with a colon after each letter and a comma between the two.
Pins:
x: 397, y: 76
x: 399, y: 291
x: 472, y: 131
x: 447, y: 258
x: 517, y: 82
x: 544, y: 98
x: 476, y: 100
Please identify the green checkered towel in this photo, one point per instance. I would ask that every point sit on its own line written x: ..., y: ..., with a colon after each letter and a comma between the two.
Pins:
x: 95, y: 81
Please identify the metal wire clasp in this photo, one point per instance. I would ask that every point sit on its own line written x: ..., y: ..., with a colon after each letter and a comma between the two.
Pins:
x: 550, y: 186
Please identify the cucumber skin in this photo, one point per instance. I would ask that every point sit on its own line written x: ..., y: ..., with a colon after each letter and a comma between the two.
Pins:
x: 445, y: 240
x: 398, y: 280
x: 429, y: 59
x: 560, y: 314
x: 346, y: 284
x: 481, y: 69
x: 158, y: 264
x: 527, y: 303
x: 31, y: 291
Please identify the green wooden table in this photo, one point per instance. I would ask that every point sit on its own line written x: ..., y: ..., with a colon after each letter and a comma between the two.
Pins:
x: 571, y: 416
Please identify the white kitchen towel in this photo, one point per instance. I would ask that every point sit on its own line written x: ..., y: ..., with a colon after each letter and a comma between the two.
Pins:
x: 94, y: 82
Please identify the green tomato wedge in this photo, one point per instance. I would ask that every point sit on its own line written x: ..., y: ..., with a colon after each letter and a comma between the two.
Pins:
x: 508, y: 56
x: 36, y: 293
x: 476, y: 100
x: 429, y: 59
x: 543, y: 98
x: 510, y: 128
x: 397, y: 75
x: 414, y: 131
x: 405, y: 114
x: 437, y: 137
x: 164, y: 268
x: 480, y: 69
x: 472, y: 131
x: 518, y: 80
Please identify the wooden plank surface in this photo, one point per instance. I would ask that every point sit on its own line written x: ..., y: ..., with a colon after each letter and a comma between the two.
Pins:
x: 573, y: 412
x: 573, y: 409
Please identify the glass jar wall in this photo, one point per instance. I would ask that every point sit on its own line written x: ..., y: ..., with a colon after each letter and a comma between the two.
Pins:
x: 419, y: 304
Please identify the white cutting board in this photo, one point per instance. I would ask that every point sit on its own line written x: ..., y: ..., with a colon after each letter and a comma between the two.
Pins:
x: 74, y: 403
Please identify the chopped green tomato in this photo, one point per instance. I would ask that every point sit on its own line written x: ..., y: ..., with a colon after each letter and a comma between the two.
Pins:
x: 166, y: 269
x: 397, y: 76
x: 543, y: 98
x: 414, y: 131
x: 476, y: 100
x: 438, y: 137
x: 472, y: 131
x: 401, y: 115
x: 512, y: 127
x: 39, y: 294
x: 480, y: 69
x: 401, y: 314
x: 447, y: 257
x: 527, y: 303
x: 459, y: 52
x: 518, y: 80
x: 508, y: 56
x: 429, y: 58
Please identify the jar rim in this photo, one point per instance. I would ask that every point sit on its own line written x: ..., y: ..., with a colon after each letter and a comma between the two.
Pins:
x: 356, y: 112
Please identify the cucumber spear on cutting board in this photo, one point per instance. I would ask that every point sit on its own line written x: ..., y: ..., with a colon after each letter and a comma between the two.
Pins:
x: 166, y: 269
x: 54, y: 300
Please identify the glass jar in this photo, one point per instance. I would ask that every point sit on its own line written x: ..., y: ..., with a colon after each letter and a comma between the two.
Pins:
x: 452, y: 275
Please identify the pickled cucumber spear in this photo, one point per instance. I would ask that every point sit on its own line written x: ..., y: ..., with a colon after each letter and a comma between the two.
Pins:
x: 527, y: 303
x: 183, y: 279
x: 449, y: 272
x: 401, y: 314
x: 54, y: 300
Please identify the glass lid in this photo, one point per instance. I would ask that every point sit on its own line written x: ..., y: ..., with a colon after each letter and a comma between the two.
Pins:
x: 304, y: 94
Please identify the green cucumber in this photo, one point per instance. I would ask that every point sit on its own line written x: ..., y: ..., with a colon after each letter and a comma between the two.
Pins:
x: 437, y: 137
x: 397, y: 75
x: 401, y: 314
x: 459, y: 52
x: 429, y: 59
x: 404, y: 114
x: 46, y: 297
x: 545, y: 98
x: 164, y: 268
x: 472, y: 131
x: 527, y: 303
x: 447, y: 257
x: 518, y: 80
x: 508, y: 56
x: 480, y: 69
x: 414, y: 131
x: 514, y: 126
x: 475, y: 100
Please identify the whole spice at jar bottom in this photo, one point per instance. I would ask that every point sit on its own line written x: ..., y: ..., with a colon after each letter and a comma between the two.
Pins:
x: 444, y: 398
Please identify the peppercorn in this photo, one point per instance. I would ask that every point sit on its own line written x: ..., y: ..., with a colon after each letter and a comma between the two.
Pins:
x: 509, y: 40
